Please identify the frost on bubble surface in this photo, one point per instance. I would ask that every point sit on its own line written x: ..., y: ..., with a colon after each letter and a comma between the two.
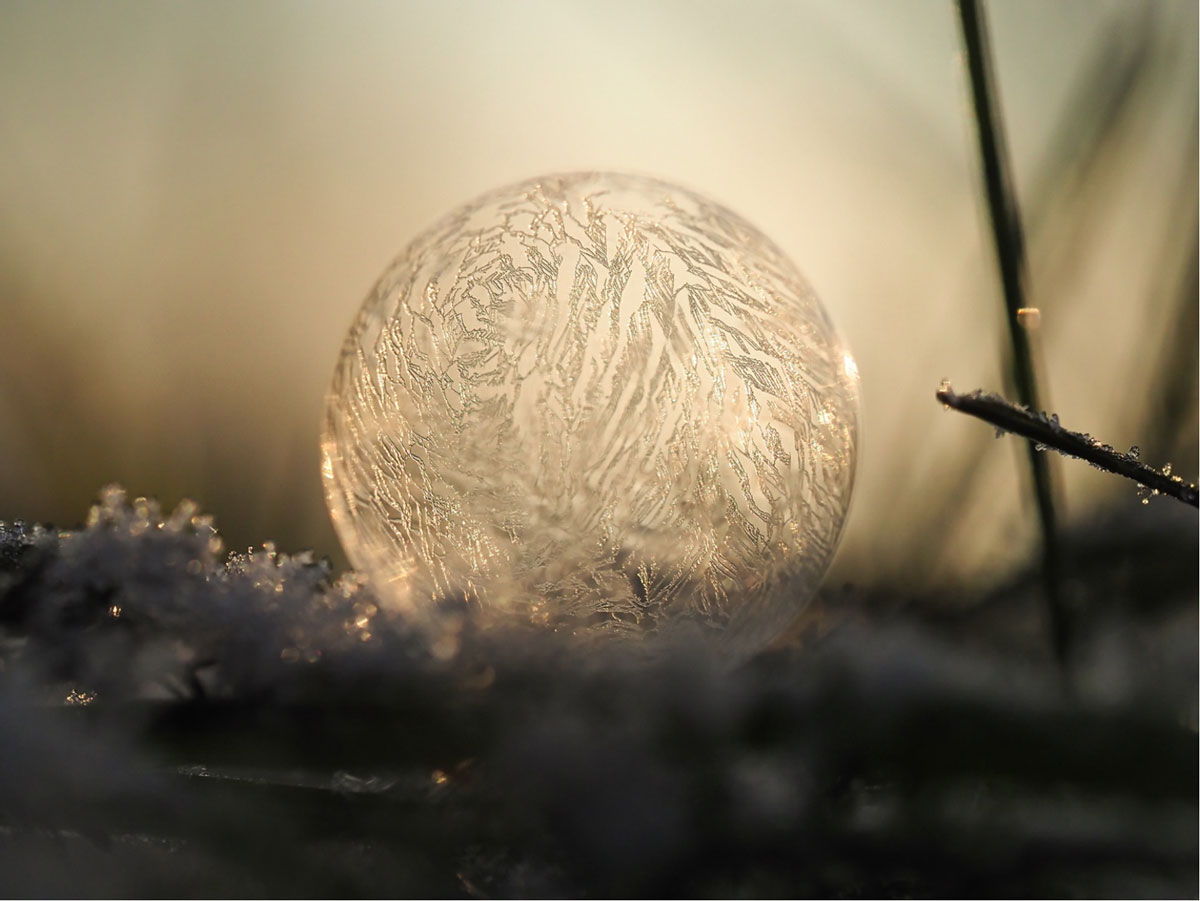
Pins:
x: 596, y: 402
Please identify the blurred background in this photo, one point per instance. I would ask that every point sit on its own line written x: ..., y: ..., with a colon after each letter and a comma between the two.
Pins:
x: 196, y: 197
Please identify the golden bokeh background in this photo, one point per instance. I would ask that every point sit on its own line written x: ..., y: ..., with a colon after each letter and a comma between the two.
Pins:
x: 196, y: 197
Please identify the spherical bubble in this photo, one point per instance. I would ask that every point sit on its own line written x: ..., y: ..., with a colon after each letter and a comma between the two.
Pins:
x: 597, y: 402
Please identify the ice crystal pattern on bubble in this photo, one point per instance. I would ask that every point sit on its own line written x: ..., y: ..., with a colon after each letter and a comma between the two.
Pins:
x: 598, y: 402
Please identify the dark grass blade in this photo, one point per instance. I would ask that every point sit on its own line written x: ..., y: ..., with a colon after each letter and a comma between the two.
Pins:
x: 1045, y: 432
x: 1169, y: 412
x: 1112, y: 87
x: 1010, y: 253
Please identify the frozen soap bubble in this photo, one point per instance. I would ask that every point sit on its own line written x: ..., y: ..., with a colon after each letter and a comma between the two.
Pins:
x: 600, y: 403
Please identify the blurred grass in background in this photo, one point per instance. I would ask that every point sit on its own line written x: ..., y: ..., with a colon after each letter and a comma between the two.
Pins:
x: 195, y: 198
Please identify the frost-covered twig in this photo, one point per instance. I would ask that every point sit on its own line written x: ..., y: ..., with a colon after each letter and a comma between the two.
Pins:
x: 1045, y: 432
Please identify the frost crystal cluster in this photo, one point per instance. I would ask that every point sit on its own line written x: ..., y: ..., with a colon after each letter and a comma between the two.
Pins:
x: 596, y: 402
